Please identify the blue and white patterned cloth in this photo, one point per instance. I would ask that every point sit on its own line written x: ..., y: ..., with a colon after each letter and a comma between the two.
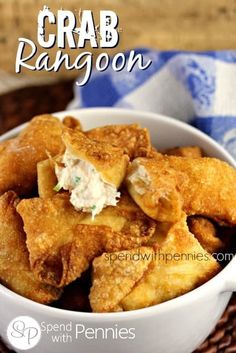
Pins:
x: 198, y: 88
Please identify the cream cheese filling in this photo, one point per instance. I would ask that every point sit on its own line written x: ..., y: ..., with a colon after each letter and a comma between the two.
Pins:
x: 88, y: 191
x: 139, y: 178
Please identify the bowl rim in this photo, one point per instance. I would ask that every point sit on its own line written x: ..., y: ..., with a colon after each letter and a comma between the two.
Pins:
x: 213, y: 286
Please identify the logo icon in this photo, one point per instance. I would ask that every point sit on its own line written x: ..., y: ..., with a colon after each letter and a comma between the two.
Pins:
x: 24, y: 332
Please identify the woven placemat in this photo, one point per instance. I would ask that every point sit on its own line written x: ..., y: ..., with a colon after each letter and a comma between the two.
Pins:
x: 20, y: 106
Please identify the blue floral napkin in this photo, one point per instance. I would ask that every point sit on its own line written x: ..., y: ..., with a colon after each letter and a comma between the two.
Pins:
x: 198, y: 88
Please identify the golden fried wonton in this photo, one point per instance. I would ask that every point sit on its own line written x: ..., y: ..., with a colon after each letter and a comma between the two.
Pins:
x: 114, y: 276
x: 201, y: 186
x: 46, y: 178
x: 19, y: 157
x: 63, y: 241
x: 109, y: 161
x: 15, y: 272
x: 206, y: 233
x: 160, y: 234
x: 155, y: 153
x: 126, y: 217
x: 180, y: 265
x: 134, y: 140
x: 185, y: 151
x: 154, y: 190
x: 72, y: 123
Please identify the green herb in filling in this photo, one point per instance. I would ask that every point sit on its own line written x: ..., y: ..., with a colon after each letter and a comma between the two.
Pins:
x: 77, y: 180
x: 58, y: 187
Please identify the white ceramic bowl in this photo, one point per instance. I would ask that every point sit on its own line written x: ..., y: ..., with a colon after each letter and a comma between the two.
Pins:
x: 176, y: 326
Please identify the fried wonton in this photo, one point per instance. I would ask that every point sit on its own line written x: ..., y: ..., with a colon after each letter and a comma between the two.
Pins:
x: 114, y: 276
x: 160, y: 234
x: 62, y: 241
x: 126, y: 217
x: 109, y: 161
x: 179, y: 266
x: 154, y: 190
x: 155, y: 153
x: 72, y: 123
x: 134, y: 140
x: 15, y: 272
x: 4, y: 145
x: 185, y: 151
x: 46, y: 178
x: 206, y: 233
x: 201, y: 186
x: 19, y: 157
